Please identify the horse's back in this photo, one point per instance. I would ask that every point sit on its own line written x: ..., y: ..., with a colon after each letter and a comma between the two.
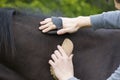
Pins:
x: 96, y: 53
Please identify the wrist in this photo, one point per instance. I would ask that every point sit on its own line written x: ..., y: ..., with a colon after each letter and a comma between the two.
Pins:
x: 83, y: 21
x: 66, y: 77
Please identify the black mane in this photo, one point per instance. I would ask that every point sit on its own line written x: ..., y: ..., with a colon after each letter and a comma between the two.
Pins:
x: 7, y: 47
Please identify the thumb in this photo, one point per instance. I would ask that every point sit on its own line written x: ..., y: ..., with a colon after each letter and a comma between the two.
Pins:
x: 71, y: 56
x: 62, y: 31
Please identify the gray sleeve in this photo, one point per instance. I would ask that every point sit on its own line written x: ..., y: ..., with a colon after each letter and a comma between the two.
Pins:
x: 73, y: 78
x: 115, y: 75
x: 108, y: 20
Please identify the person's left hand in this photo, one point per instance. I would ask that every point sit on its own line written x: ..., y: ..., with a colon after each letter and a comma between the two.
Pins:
x: 69, y: 25
x: 62, y: 64
x: 47, y: 25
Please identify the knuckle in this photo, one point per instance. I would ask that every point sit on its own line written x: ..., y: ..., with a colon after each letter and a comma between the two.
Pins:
x: 55, y: 65
x: 50, y: 27
x: 54, y: 27
x: 47, y: 19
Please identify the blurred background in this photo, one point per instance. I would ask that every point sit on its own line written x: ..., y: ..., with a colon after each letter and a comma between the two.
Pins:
x: 69, y: 8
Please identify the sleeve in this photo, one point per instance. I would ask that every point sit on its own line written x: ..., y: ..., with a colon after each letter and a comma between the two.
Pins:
x: 73, y: 78
x: 107, y: 20
x: 115, y: 75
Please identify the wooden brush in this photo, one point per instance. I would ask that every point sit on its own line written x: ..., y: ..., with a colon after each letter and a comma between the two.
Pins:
x: 67, y: 45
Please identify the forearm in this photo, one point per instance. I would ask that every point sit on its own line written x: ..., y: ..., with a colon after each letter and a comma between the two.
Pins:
x: 84, y: 21
x: 108, y: 20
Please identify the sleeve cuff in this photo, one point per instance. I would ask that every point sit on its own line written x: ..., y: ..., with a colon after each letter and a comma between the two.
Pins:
x: 96, y: 21
x: 73, y: 78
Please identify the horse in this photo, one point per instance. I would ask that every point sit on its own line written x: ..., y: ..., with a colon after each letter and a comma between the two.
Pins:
x: 96, y: 53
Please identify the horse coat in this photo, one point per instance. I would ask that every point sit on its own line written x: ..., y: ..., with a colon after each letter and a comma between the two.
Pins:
x: 96, y: 53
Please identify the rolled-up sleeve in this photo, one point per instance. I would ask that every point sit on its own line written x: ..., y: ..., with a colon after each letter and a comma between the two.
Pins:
x: 73, y: 78
x: 108, y: 20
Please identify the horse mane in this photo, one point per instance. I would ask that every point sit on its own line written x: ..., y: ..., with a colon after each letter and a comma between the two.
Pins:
x: 7, y: 48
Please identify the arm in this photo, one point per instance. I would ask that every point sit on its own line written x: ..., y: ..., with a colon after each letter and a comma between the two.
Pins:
x: 108, y: 20
x: 105, y: 20
x: 69, y: 25
x: 115, y: 75
x: 62, y: 65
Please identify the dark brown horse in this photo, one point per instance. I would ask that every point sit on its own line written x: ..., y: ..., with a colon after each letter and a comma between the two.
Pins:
x: 96, y: 53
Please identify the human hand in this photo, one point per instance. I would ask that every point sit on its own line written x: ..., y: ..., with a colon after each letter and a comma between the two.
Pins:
x: 62, y: 64
x: 69, y: 25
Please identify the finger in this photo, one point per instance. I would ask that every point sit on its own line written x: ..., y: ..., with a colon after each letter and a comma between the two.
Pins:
x: 45, y: 26
x: 71, y: 56
x: 51, y: 63
x: 51, y: 27
x: 58, y: 54
x: 46, y: 21
x: 54, y: 57
x: 62, y: 31
x: 61, y: 51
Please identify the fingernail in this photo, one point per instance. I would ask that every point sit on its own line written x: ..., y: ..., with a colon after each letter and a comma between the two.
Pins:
x: 43, y: 31
x: 41, y: 22
x: 58, y: 45
x: 40, y: 28
x: 59, y: 32
x: 55, y: 51
x: 72, y: 54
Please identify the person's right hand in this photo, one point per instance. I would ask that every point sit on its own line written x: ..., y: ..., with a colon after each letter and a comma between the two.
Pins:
x: 70, y: 25
x: 62, y: 64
